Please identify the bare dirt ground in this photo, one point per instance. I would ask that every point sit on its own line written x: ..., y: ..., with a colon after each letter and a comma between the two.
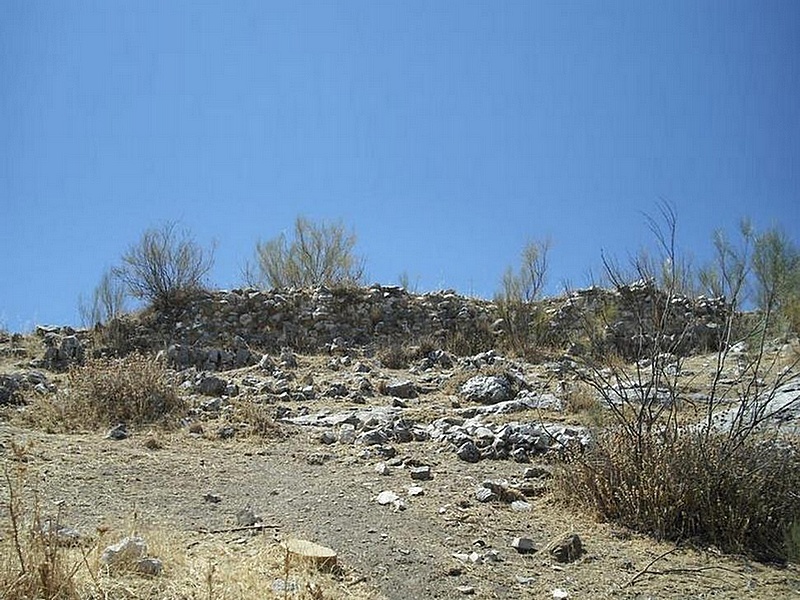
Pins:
x: 443, y: 544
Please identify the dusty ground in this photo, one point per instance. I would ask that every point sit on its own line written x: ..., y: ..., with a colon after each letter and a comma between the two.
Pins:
x: 327, y: 493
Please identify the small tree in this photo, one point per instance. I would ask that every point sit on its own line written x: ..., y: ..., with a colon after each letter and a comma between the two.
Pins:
x: 318, y: 254
x: 164, y: 267
x: 776, y: 269
x: 522, y: 318
x: 107, y: 301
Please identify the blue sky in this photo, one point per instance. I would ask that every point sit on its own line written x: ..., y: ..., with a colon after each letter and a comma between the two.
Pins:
x: 446, y: 134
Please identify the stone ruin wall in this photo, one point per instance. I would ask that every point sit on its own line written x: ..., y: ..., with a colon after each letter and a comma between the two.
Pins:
x: 227, y: 329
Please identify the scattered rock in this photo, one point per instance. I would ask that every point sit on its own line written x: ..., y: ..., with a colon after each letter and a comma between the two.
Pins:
x: 520, y: 506
x: 387, y: 497
x: 211, y: 385
x: 567, y: 549
x: 421, y: 473
x: 212, y: 498
x: 245, y: 517
x: 523, y: 545
x: 401, y: 389
x: 226, y: 432
x: 63, y: 535
x: 317, y: 458
x: 125, y: 554
x: 467, y: 590
x: 328, y: 437
x: 9, y: 389
x: 483, y: 494
x: 382, y: 468
x: 537, y: 472
x: 149, y: 566
x: 119, y: 432
x: 484, y: 389
x: 266, y: 363
x: 469, y: 452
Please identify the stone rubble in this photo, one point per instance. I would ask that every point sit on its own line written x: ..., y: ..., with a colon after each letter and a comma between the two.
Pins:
x: 219, y: 330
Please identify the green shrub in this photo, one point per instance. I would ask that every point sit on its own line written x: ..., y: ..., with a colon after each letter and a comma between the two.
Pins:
x: 318, y: 254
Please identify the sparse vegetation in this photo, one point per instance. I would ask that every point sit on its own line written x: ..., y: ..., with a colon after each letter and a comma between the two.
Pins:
x: 134, y: 390
x: 165, y: 267
x: 656, y: 474
x: 525, y: 324
x: 41, y: 560
x: 33, y: 562
x: 659, y: 461
x: 317, y: 254
x: 107, y: 302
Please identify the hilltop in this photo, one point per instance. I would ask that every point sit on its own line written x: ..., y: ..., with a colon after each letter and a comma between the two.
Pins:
x: 400, y: 430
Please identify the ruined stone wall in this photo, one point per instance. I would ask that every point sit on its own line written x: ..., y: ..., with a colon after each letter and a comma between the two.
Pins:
x: 640, y: 315
x: 226, y: 329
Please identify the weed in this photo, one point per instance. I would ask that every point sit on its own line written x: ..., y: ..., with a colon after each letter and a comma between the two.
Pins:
x: 741, y: 500
x: 102, y: 392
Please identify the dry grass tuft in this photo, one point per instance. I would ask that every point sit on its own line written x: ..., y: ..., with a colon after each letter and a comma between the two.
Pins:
x: 741, y: 498
x: 134, y: 390
x: 37, y: 563
x: 254, y: 419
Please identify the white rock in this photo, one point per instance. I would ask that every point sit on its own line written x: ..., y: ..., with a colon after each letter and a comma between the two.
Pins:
x: 127, y: 551
x: 387, y: 497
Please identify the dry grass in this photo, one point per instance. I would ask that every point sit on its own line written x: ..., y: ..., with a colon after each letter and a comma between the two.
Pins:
x: 398, y: 355
x: 742, y: 498
x: 256, y: 419
x: 134, y: 390
x: 35, y: 563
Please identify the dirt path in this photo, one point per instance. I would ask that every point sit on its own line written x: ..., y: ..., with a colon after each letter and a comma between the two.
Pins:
x: 327, y: 494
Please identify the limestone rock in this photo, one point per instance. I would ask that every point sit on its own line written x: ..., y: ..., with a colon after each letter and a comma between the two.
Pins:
x: 125, y: 553
x: 485, y: 389
x: 404, y: 389
x: 523, y: 545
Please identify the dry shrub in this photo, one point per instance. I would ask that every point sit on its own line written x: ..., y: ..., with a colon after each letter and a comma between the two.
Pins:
x: 399, y: 355
x: 34, y: 561
x: 469, y: 342
x: 257, y: 420
x: 582, y: 398
x: 134, y: 390
x: 742, y: 498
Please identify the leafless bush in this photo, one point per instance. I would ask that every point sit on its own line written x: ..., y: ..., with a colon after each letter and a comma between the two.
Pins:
x: 165, y: 267
x: 694, y: 488
x: 107, y: 301
x: 677, y: 480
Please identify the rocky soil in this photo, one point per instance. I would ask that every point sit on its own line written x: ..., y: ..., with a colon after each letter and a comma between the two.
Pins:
x: 432, y: 481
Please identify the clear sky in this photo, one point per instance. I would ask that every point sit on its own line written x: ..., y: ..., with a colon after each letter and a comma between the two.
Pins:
x: 446, y: 134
